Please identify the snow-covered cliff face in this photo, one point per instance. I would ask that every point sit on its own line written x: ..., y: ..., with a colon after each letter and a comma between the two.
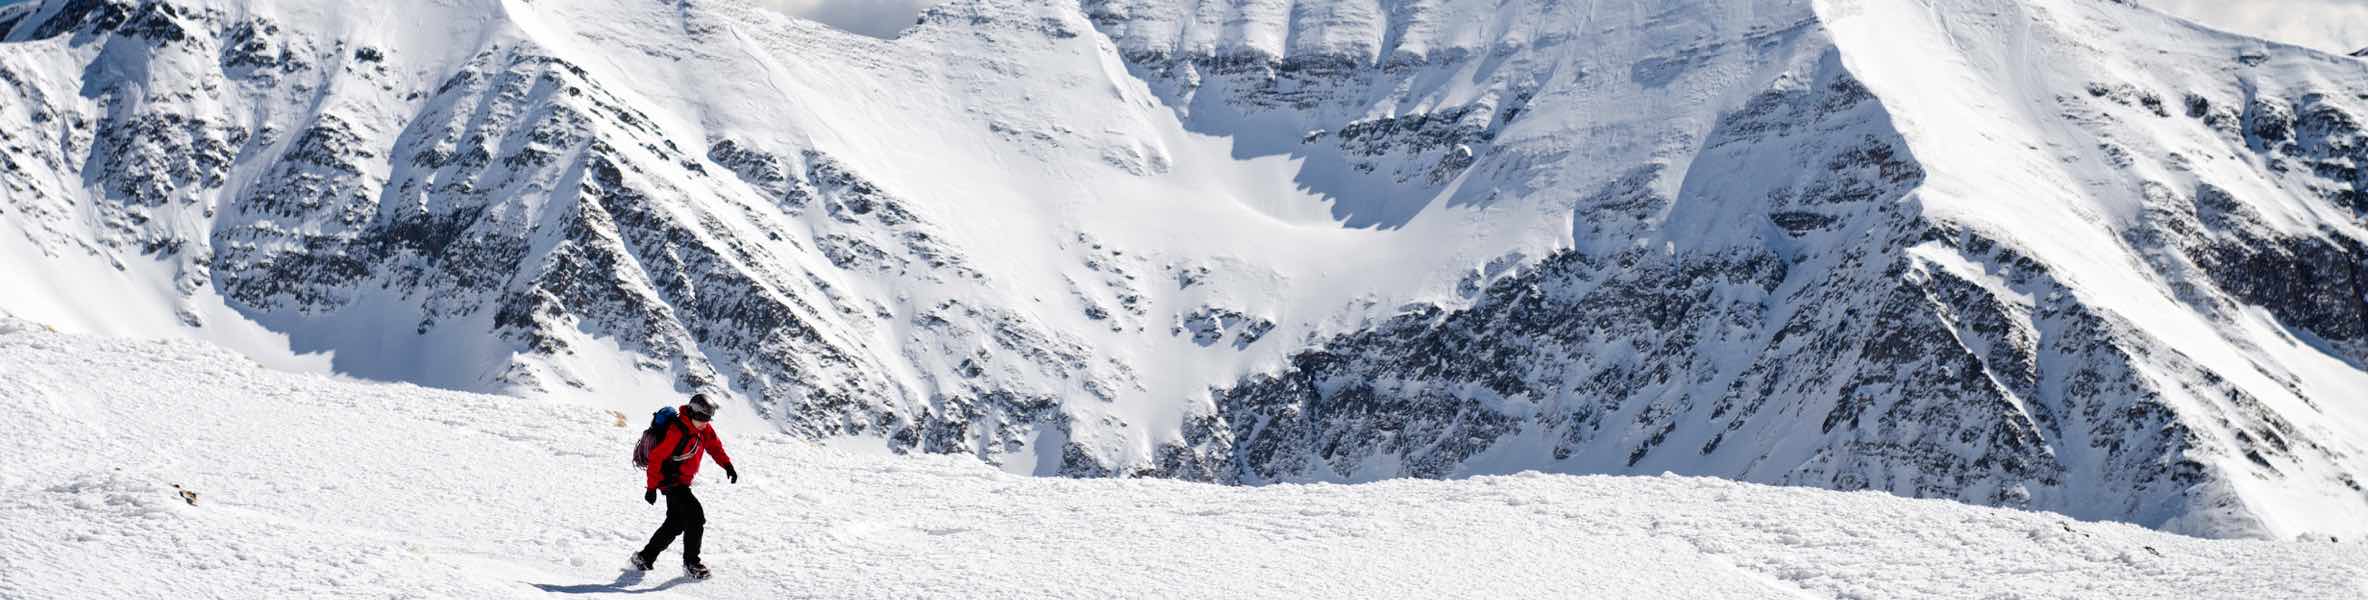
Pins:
x: 2055, y: 254
x: 2053, y: 281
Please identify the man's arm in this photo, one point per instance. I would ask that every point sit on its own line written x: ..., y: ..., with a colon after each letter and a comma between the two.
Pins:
x: 715, y: 447
x: 658, y: 455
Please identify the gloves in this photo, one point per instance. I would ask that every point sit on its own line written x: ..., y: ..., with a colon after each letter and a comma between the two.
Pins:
x: 731, y: 473
x: 650, y: 496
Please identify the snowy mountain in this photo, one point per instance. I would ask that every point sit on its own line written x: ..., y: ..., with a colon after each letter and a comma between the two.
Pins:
x: 2063, y: 255
x: 310, y: 487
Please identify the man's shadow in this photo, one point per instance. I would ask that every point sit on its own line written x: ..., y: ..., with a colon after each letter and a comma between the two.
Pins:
x: 626, y: 578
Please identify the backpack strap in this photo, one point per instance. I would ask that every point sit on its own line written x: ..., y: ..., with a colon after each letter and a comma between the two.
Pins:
x: 673, y: 464
x: 684, y: 442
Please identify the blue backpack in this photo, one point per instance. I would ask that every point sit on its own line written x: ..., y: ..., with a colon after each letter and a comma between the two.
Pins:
x: 659, y: 421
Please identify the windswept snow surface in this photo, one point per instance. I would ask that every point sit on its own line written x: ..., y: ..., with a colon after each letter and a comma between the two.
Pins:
x: 876, y: 18
x: 316, y: 487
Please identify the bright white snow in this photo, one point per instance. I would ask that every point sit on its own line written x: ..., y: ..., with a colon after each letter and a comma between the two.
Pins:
x: 314, y: 487
x: 2330, y: 25
x: 876, y: 18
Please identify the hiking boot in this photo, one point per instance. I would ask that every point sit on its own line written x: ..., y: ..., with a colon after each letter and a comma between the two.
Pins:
x: 641, y: 563
x: 696, y: 570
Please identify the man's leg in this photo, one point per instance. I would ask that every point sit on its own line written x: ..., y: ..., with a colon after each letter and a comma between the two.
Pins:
x: 675, y: 516
x: 694, y: 521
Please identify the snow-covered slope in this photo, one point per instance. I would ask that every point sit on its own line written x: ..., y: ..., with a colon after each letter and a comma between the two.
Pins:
x: 312, y: 487
x: 1961, y: 249
x: 2055, y: 254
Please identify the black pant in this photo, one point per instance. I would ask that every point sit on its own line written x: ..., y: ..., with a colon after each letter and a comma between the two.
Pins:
x: 684, y: 518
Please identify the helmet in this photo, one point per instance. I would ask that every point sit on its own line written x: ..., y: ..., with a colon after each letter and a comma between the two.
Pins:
x: 700, y: 408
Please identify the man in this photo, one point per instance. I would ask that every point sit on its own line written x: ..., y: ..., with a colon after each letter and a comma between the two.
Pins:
x: 673, y: 462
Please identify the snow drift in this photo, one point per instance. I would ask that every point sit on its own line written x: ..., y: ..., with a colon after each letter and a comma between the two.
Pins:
x: 314, y: 487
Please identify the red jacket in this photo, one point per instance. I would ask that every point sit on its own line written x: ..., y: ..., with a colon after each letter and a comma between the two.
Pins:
x: 671, y: 466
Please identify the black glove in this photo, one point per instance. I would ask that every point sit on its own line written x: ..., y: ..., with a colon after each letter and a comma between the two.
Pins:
x: 650, y: 496
x: 731, y: 473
